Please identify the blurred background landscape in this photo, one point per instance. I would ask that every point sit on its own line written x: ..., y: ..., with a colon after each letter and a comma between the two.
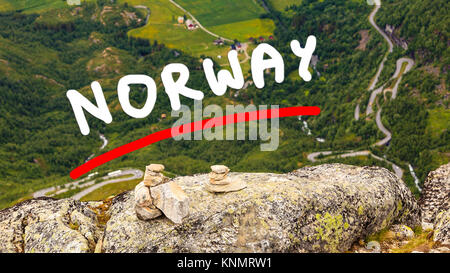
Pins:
x: 48, y: 47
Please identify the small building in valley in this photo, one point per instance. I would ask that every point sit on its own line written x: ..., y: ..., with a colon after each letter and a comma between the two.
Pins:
x: 218, y: 41
x: 190, y: 24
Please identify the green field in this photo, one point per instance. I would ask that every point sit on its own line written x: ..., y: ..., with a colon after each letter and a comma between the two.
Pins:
x: 214, y: 12
x: 30, y: 6
x: 438, y: 121
x: 163, y: 27
x: 243, y: 30
x: 231, y: 19
x: 280, y: 5
x: 111, y: 189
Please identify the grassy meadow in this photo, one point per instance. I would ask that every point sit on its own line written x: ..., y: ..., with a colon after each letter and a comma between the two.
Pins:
x: 111, y: 189
x: 281, y: 5
x: 43, y: 55
x: 163, y: 26
x: 243, y: 30
x: 231, y: 19
x: 213, y: 13
x: 33, y: 6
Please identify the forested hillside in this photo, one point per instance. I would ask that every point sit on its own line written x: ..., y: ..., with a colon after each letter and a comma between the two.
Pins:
x: 420, y: 117
x: 44, y: 54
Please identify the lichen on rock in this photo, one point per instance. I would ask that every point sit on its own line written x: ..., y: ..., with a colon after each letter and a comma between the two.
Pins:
x: 48, y: 225
x: 435, y: 197
x: 435, y: 203
x: 324, y: 208
x: 442, y: 228
x: 315, y: 209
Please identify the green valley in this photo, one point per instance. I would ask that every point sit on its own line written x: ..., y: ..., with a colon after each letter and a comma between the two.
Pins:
x: 49, y: 47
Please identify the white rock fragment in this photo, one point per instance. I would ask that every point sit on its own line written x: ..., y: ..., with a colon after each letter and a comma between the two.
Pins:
x: 152, y: 181
x: 171, y: 200
x: 147, y: 213
x: 157, y: 168
x: 235, y: 185
x: 374, y: 246
x: 219, y: 169
x: 220, y: 182
x: 153, y: 175
x: 142, y: 195
x: 155, y: 195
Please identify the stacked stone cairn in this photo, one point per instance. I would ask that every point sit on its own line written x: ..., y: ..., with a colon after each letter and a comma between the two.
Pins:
x: 219, y: 181
x: 157, y: 195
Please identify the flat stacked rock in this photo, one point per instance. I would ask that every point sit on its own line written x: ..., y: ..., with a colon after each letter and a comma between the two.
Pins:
x: 157, y: 195
x: 153, y: 176
x: 219, y: 181
x: 145, y: 210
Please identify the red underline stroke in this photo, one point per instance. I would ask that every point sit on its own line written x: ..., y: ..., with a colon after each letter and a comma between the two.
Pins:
x: 189, y: 128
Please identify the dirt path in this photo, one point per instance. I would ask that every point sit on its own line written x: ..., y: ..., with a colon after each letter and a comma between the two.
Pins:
x: 148, y: 12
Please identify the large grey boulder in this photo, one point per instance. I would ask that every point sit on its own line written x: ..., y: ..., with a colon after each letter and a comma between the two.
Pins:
x: 316, y: 209
x: 442, y: 228
x: 48, y: 225
x: 435, y: 203
x: 435, y: 196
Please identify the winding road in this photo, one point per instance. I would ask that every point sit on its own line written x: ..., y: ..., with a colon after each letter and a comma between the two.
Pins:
x: 148, y: 12
x: 374, y: 81
x: 105, y: 141
x: 398, y: 171
x: 409, y: 64
x: 357, y: 112
x: 90, y: 185
x: 398, y: 74
x: 135, y: 175
x: 391, y: 46
x: 89, y: 182
x: 383, y: 129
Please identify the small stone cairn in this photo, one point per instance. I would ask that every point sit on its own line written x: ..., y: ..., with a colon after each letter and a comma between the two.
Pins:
x: 157, y: 195
x: 219, y: 181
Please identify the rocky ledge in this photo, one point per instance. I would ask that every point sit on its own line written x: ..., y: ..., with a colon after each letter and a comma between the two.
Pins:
x: 324, y: 208
x: 435, y: 204
x: 49, y: 225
